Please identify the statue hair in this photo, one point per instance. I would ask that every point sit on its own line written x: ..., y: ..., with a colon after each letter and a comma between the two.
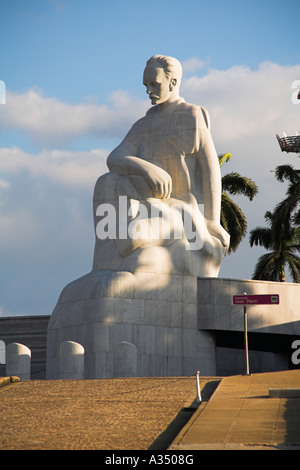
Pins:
x: 171, y: 66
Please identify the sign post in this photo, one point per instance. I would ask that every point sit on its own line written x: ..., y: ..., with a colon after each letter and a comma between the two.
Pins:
x: 245, y: 300
x: 246, y: 339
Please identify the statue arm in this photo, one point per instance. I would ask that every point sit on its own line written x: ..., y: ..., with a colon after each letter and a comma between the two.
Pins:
x: 210, y: 175
x: 158, y: 179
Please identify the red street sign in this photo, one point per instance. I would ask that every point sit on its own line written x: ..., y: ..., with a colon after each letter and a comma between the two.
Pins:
x: 272, y: 299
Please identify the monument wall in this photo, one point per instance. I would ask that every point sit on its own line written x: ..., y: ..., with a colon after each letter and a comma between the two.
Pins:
x: 162, y: 326
x: 216, y: 310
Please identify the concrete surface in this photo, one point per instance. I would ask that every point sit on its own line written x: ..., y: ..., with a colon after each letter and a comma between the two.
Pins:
x: 241, y: 415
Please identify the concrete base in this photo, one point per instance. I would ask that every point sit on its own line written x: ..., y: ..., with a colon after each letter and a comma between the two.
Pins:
x: 148, y: 325
x: 117, y: 316
x: 284, y: 392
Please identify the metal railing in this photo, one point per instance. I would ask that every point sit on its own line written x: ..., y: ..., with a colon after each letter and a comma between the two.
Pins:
x: 289, y: 143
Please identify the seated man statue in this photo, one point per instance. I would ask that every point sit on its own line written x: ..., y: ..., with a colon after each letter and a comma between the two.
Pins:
x: 157, y: 224
x: 163, y: 188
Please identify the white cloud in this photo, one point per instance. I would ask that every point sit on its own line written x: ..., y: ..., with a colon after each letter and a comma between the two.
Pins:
x: 4, y: 184
x: 5, y: 313
x: 66, y: 167
x: 242, y: 102
x: 246, y: 103
x: 192, y: 65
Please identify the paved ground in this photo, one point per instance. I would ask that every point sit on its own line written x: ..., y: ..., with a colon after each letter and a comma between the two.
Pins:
x: 151, y: 413
x: 242, y: 416
x: 110, y: 414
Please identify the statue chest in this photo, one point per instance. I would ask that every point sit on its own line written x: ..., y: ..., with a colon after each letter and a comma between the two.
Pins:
x: 165, y: 136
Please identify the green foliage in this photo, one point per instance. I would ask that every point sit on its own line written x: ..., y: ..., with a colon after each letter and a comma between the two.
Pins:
x: 233, y: 220
x: 282, y: 234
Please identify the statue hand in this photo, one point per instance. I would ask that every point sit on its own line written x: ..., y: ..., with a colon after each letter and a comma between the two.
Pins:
x: 160, y: 182
x: 219, y: 232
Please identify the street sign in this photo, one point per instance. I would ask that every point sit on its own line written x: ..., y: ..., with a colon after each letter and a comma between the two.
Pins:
x: 258, y: 299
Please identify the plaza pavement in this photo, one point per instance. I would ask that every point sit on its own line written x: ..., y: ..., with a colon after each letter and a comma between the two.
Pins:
x: 247, y: 412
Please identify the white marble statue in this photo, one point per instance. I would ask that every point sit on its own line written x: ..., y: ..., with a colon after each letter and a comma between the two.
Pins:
x: 168, y: 162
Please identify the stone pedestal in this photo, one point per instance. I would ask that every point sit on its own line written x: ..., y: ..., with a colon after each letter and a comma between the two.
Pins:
x: 156, y: 313
x: 18, y: 359
x: 71, y: 360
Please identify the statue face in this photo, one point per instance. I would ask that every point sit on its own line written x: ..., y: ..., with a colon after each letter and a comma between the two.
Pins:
x: 158, y: 86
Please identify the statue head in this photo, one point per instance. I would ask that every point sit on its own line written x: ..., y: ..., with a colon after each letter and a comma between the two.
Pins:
x: 162, y: 77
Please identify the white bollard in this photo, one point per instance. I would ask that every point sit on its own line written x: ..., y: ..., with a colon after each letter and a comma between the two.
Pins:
x: 18, y: 361
x: 125, y: 360
x: 199, y: 398
x: 71, y: 360
x: 2, y: 352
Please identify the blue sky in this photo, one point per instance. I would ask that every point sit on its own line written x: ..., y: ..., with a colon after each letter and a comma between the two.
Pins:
x: 73, y: 75
x: 64, y: 46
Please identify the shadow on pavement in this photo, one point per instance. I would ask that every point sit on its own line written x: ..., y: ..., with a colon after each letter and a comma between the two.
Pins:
x: 165, y: 439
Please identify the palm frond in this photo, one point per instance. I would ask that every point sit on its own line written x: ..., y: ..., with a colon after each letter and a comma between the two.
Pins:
x: 234, y: 183
x: 232, y: 218
x: 282, y: 234
x: 224, y: 157
x: 233, y: 221
x: 284, y: 210
x: 261, y: 236
x: 264, y: 268
x: 293, y: 263
x: 287, y: 172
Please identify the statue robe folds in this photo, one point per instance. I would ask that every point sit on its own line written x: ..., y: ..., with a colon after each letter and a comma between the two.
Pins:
x: 174, y: 236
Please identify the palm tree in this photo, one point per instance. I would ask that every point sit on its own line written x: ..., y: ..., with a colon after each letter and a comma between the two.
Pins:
x: 284, y: 243
x: 282, y: 236
x: 233, y: 220
x: 289, y: 208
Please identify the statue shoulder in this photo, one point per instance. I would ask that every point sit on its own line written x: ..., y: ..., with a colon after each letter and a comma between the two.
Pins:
x: 205, y: 116
x: 151, y: 111
x: 136, y: 127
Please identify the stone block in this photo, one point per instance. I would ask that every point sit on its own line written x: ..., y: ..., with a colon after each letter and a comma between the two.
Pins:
x: 284, y: 392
